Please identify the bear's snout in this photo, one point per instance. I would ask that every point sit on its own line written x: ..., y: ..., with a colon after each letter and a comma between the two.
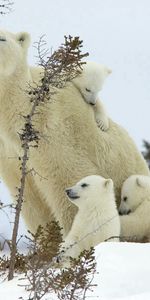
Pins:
x: 68, y: 191
x: 124, y: 212
x: 71, y: 194
x: 120, y: 213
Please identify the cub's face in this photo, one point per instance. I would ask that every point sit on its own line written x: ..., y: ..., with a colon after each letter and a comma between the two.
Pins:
x: 91, y: 81
x: 134, y: 191
x: 89, y: 189
x: 13, y: 51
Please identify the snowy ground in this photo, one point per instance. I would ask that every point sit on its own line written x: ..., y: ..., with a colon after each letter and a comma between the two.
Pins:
x: 123, y: 268
x: 123, y: 274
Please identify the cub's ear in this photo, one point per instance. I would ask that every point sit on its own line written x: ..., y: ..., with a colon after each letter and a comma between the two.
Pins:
x: 108, y: 183
x: 23, y: 39
x: 140, y: 182
x: 109, y: 71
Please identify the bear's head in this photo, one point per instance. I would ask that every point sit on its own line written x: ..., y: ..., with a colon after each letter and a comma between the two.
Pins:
x: 13, y: 51
x: 135, y: 190
x: 91, y: 80
x: 90, y: 190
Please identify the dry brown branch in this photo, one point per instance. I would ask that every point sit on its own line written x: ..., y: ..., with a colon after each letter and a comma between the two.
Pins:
x: 62, y: 66
x: 42, y: 247
x: 5, y: 6
x: 70, y: 283
x: 3, y: 206
x: 71, y: 289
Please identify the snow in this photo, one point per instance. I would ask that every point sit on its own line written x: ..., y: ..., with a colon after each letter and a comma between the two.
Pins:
x: 123, y: 270
x: 7, y: 218
x: 123, y: 274
x: 10, y: 290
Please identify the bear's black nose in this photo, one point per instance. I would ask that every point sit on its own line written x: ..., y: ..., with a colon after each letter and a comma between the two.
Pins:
x: 72, y: 194
x: 68, y: 191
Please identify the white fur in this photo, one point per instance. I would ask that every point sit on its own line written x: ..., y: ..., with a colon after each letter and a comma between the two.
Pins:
x: 135, y: 207
x: 14, y: 47
x: 70, y: 146
x: 90, y: 83
x: 97, y: 219
x: 15, y: 78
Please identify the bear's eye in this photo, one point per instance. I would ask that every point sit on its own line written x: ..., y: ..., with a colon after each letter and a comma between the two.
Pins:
x: 125, y: 199
x: 84, y: 185
x: 21, y: 39
x: 89, y: 91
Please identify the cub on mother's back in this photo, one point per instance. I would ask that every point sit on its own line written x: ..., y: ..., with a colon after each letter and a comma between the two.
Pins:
x: 90, y: 83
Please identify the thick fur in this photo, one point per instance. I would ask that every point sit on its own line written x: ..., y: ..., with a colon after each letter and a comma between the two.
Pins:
x: 135, y: 208
x: 15, y: 78
x: 90, y: 83
x: 71, y: 145
x: 91, y: 80
x: 97, y: 219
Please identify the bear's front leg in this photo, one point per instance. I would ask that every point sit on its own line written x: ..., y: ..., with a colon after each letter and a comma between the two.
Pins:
x: 67, y: 250
x: 101, y: 116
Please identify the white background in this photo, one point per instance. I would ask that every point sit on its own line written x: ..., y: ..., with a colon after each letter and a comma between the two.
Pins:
x: 115, y: 33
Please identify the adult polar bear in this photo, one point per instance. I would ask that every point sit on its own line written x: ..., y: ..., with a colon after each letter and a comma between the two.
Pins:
x: 73, y: 147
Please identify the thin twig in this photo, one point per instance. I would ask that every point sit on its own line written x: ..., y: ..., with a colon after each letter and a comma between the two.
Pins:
x: 5, y: 6
x: 62, y: 66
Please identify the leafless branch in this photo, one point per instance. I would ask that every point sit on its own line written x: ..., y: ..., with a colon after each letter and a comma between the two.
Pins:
x: 75, y: 291
x: 5, y: 6
x: 62, y: 66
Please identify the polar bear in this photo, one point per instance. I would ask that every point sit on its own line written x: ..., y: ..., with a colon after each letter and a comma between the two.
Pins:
x: 89, y: 83
x: 15, y: 78
x: 135, y: 208
x: 71, y: 146
x: 97, y: 219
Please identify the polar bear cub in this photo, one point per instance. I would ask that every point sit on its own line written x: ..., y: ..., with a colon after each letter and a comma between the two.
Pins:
x: 90, y: 83
x: 135, y: 207
x: 97, y: 219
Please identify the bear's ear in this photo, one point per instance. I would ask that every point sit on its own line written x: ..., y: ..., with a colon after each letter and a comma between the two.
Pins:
x: 23, y: 39
x: 140, y: 182
x: 108, y: 183
x: 109, y: 71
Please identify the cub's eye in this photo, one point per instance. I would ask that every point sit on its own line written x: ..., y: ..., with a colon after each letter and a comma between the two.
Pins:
x: 84, y: 185
x: 89, y: 91
x: 125, y: 199
x: 21, y: 39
